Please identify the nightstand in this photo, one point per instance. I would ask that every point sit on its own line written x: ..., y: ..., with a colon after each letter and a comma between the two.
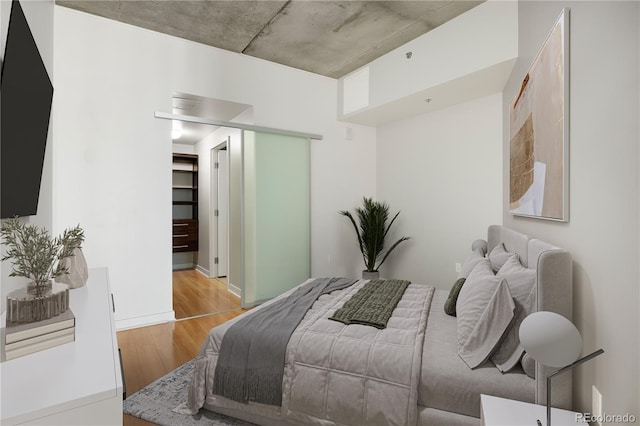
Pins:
x: 496, y: 411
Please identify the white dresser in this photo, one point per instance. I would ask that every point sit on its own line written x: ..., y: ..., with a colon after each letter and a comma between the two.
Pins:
x: 78, y: 383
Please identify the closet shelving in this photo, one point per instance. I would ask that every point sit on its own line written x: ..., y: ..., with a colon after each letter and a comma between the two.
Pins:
x: 185, y: 202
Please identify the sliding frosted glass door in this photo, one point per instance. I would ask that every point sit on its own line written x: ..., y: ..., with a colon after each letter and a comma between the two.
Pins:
x: 276, y: 217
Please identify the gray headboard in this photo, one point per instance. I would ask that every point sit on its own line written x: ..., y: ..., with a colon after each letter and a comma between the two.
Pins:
x: 554, y: 269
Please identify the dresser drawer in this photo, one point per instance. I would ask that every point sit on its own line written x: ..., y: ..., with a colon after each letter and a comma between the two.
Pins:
x: 180, y: 246
x: 185, y: 235
x: 185, y: 226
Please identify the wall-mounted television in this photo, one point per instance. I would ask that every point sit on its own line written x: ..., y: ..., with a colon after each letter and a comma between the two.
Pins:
x: 26, y: 93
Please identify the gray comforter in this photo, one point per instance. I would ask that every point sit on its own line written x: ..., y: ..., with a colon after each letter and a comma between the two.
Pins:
x: 251, y: 361
x: 358, y: 374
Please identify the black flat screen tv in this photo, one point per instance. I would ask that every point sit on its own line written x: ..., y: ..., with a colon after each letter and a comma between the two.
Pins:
x: 26, y: 93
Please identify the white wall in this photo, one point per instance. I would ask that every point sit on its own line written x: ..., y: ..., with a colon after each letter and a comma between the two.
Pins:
x: 39, y: 15
x: 234, y: 151
x: 203, y: 149
x: 466, y: 58
x: 342, y: 172
x: 113, y: 159
x: 181, y: 148
x: 443, y: 171
x: 603, y: 231
x: 480, y: 38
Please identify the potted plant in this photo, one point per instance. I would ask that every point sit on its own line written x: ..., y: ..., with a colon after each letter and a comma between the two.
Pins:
x: 36, y: 255
x: 371, y: 230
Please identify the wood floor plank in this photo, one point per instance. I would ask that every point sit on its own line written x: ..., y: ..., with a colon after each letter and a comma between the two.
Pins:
x: 149, y: 353
x: 132, y: 366
x: 194, y: 294
x: 128, y: 420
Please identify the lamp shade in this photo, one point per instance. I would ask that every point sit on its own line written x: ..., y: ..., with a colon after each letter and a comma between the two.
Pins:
x: 550, y: 339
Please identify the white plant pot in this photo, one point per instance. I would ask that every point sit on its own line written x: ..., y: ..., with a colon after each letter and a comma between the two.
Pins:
x: 373, y: 275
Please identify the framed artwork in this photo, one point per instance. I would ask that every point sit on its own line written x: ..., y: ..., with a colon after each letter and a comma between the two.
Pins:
x: 539, y: 132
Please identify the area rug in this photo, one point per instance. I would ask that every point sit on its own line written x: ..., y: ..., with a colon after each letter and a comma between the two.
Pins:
x: 155, y: 402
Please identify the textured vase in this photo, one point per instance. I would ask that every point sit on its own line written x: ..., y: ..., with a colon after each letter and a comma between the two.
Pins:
x: 29, y: 305
x: 370, y: 275
x: 78, y: 271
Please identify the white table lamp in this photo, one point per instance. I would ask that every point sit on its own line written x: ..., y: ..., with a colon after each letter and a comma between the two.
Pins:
x: 554, y: 341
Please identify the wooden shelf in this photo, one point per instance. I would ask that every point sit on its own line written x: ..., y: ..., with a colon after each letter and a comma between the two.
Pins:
x: 185, y: 212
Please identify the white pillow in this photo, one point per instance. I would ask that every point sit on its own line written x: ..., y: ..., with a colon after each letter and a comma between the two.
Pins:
x: 498, y: 256
x: 470, y: 262
x: 484, y: 311
x: 521, y: 282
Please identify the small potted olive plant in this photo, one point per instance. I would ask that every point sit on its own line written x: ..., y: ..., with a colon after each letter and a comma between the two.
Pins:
x: 371, y: 231
x: 36, y: 255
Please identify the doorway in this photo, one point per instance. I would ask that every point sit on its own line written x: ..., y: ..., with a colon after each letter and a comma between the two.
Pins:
x: 219, y: 214
x: 199, y: 287
x: 257, y: 231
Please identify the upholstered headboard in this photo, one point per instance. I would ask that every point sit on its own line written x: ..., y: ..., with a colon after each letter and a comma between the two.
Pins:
x: 554, y: 282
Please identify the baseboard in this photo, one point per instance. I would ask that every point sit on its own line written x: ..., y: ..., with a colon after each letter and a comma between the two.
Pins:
x: 181, y: 266
x: 234, y: 290
x: 203, y: 271
x: 145, y: 320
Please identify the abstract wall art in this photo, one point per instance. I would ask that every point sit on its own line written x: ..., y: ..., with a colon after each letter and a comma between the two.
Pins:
x: 539, y: 132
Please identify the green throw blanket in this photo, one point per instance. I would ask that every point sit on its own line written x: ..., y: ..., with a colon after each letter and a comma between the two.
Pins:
x: 373, y: 304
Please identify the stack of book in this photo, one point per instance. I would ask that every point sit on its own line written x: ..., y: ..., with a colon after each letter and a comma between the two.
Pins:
x: 24, y: 339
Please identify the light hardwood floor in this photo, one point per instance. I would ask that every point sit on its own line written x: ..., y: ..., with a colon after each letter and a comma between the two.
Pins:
x: 149, y: 353
x: 194, y: 295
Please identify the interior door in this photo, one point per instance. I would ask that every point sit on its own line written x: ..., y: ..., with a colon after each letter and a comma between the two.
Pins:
x: 276, y: 214
x: 223, y: 213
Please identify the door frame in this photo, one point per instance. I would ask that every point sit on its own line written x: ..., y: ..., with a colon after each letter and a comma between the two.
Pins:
x: 213, y: 205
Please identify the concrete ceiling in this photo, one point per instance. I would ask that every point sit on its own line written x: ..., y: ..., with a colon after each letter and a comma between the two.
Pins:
x: 331, y: 38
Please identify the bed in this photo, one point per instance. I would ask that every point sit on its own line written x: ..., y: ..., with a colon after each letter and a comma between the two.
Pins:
x: 408, y: 373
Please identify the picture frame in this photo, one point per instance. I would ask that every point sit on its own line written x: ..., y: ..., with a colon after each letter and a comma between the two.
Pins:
x: 539, y: 132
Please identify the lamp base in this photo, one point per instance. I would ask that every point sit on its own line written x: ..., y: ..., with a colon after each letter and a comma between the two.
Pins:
x: 564, y: 370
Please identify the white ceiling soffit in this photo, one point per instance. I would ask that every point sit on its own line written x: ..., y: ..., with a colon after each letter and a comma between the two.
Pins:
x: 331, y: 38
x: 198, y: 106
x: 471, y: 86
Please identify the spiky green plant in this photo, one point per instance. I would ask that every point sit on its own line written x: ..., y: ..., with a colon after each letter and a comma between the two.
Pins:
x: 34, y: 253
x: 372, y: 231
